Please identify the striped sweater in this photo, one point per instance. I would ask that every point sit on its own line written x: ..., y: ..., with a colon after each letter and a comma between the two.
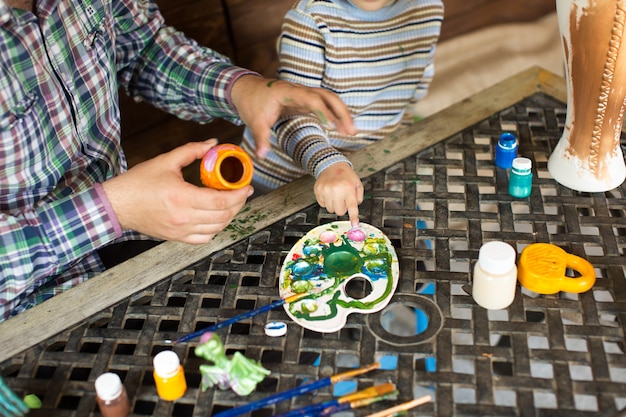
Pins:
x: 377, y: 62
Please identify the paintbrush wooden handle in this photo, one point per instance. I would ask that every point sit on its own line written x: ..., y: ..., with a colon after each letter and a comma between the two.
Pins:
x: 402, y: 407
x: 349, y: 374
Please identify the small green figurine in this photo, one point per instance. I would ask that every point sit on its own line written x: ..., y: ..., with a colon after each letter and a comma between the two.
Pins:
x: 238, y: 373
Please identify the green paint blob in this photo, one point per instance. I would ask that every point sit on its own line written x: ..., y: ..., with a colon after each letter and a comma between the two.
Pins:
x: 343, y: 260
x: 32, y: 401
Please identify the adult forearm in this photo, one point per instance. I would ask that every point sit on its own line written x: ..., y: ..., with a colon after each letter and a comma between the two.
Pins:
x: 160, y: 65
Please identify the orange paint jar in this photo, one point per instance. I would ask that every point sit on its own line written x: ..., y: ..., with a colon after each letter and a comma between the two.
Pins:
x: 169, y: 376
x: 226, y: 167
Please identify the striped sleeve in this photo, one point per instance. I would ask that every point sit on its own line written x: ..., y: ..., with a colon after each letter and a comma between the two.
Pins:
x: 301, y: 49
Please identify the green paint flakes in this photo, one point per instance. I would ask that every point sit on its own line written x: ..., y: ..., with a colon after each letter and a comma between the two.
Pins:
x: 242, y: 227
x: 322, y: 118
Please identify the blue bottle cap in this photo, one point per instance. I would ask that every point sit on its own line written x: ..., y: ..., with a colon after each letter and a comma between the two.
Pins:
x: 508, y: 140
x: 506, y: 150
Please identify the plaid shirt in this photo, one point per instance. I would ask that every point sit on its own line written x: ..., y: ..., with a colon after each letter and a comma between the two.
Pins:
x: 60, y: 128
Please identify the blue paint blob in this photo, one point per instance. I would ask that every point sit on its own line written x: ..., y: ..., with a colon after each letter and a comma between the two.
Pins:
x: 342, y: 388
x: 388, y: 362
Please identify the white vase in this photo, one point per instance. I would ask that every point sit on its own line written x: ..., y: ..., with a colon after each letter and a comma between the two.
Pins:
x: 588, y: 156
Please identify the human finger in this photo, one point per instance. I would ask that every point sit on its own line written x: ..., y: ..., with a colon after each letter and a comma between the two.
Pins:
x: 352, y: 206
x: 188, y: 153
x: 213, y: 202
x: 336, y: 114
x: 261, y: 134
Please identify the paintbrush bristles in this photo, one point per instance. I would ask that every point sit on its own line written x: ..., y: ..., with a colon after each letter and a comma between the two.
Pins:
x: 369, y: 392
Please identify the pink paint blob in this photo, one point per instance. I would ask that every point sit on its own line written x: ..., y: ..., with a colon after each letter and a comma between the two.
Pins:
x: 328, y: 236
x: 356, y: 235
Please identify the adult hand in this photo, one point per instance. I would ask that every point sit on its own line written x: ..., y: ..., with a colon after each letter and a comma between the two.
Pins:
x: 154, y: 199
x: 261, y: 101
x: 339, y: 189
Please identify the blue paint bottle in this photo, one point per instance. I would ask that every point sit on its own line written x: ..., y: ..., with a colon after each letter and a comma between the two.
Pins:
x: 521, y: 179
x: 506, y: 150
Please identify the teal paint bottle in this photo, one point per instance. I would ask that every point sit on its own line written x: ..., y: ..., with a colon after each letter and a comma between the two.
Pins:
x: 521, y: 178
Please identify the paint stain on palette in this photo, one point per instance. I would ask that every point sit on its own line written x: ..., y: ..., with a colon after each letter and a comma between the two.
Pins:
x: 328, y: 261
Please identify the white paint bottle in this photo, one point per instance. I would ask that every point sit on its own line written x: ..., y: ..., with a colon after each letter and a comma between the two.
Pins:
x: 495, y: 276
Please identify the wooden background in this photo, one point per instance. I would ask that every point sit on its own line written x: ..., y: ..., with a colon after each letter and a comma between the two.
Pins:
x: 246, y: 31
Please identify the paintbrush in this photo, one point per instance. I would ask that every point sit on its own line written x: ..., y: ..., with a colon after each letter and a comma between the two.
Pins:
x: 302, y: 389
x: 367, y: 393
x: 239, y: 317
x: 356, y: 404
x: 402, y: 407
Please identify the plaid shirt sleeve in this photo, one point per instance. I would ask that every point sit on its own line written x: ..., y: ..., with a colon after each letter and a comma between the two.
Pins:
x: 40, y: 243
x: 160, y: 65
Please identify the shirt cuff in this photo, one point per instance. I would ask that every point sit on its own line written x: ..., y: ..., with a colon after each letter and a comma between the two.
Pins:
x: 215, y: 91
x: 329, y: 160
x: 78, y: 225
x: 104, y: 200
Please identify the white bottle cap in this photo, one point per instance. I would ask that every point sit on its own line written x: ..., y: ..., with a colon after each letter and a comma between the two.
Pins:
x: 166, y: 363
x: 496, y: 257
x: 108, y: 386
x: 522, y: 164
x: 275, y: 329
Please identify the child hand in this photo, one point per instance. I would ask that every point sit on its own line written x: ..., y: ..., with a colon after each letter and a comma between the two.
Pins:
x: 339, y: 190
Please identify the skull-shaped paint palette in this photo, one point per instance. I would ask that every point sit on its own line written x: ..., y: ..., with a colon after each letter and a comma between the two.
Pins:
x: 326, y: 262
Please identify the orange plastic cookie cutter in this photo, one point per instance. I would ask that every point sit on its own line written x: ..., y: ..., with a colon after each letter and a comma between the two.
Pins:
x: 542, y: 268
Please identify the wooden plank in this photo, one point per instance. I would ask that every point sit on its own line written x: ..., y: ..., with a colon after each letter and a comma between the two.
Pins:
x: 66, y: 310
